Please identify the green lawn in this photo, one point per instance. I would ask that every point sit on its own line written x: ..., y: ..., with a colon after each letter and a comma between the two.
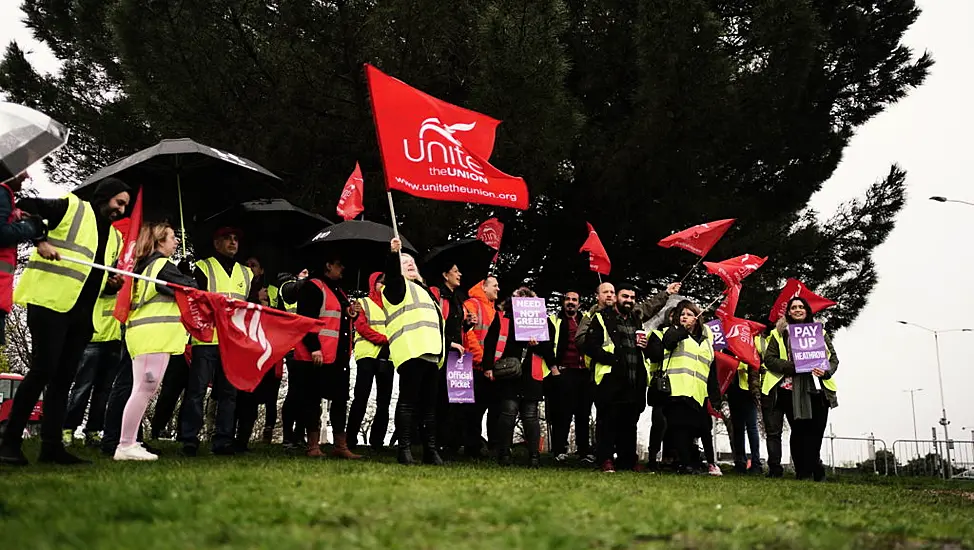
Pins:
x: 270, y: 500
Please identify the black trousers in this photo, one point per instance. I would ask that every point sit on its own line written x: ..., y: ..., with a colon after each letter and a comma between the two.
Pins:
x: 657, y: 431
x: 207, y: 367
x: 93, y: 382
x: 367, y: 370
x: 449, y: 417
x: 473, y: 414
x: 773, y: 409
x: 58, y: 341
x: 173, y: 385
x: 292, y: 425
x: 317, y: 382
x: 616, y: 426
x: 806, y: 437
x: 418, y: 383
x: 528, y: 410
x: 248, y: 404
x: 119, y: 396
x: 571, y: 396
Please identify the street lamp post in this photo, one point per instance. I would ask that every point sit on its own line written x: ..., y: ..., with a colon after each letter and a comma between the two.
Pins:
x: 945, y: 199
x: 936, y: 342
x: 913, y: 406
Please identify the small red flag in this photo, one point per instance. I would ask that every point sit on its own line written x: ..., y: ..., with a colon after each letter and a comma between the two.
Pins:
x: 598, y: 260
x: 491, y: 232
x: 726, y: 370
x: 699, y: 239
x: 796, y: 289
x: 126, y: 260
x: 740, y: 340
x: 350, y: 204
x: 435, y: 150
x: 728, y: 308
x: 734, y: 270
x: 253, y: 339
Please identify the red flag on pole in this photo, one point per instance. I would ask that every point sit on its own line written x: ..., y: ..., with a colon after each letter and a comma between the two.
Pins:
x: 699, y: 239
x: 350, y: 203
x: 728, y: 308
x: 734, y: 270
x: 491, y: 232
x: 126, y: 260
x: 598, y: 260
x: 740, y: 340
x: 436, y: 150
x: 796, y: 289
x: 726, y: 370
x: 253, y: 339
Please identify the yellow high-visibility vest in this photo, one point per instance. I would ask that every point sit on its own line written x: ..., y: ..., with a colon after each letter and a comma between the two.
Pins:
x: 609, y: 346
x: 236, y: 285
x: 153, y: 325
x: 56, y: 285
x: 688, y: 367
x: 772, y: 379
x: 376, y: 317
x: 414, y: 326
x: 107, y: 328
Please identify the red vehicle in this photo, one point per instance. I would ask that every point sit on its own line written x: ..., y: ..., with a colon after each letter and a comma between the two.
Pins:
x: 8, y: 388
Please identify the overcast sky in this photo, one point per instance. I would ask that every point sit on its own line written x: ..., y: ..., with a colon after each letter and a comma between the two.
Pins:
x: 924, y: 267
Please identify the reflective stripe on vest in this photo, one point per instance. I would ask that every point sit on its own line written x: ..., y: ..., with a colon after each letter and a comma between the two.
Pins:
x: 376, y: 317
x: 331, y: 313
x: 688, y: 367
x: 414, y: 326
x: 236, y: 285
x: 106, y: 326
x: 56, y: 285
x: 772, y: 379
x: 608, y: 345
x: 153, y: 325
x: 505, y: 328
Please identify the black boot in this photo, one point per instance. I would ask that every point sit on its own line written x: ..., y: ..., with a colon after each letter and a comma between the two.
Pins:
x: 534, y: 461
x: 12, y: 455
x: 54, y: 453
x: 244, y: 431
x: 404, y: 431
x: 430, y: 456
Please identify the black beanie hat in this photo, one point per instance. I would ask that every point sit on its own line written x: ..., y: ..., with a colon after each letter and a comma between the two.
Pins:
x: 108, y: 188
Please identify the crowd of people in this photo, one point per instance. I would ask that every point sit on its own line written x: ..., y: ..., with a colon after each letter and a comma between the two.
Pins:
x: 98, y: 372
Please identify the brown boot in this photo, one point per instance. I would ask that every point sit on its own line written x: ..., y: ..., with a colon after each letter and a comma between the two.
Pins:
x: 341, y: 448
x: 314, y: 449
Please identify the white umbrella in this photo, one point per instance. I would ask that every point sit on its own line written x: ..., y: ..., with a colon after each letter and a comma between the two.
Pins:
x: 26, y: 137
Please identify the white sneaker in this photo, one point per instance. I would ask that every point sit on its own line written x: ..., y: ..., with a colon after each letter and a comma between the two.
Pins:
x: 134, y: 452
x: 561, y: 458
x: 715, y: 470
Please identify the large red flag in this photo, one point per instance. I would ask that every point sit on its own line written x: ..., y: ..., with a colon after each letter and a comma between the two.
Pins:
x: 126, y: 260
x: 734, y: 270
x: 740, y: 340
x: 598, y: 260
x: 491, y: 232
x: 436, y: 150
x: 252, y: 338
x: 728, y: 308
x: 350, y: 204
x: 795, y: 289
x: 699, y: 239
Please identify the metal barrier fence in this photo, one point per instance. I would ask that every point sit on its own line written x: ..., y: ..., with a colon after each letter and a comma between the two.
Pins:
x: 931, y: 458
x: 863, y: 453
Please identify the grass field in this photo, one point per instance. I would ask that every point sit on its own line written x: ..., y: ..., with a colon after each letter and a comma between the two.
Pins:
x: 270, y: 500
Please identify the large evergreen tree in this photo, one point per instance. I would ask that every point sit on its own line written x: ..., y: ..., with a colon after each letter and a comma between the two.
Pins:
x: 641, y: 116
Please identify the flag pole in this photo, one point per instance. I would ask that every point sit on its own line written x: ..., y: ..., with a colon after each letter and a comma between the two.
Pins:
x: 600, y: 277
x: 700, y: 259
x: 118, y: 271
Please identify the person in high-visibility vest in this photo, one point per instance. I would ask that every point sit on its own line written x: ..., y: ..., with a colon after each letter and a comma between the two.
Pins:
x: 482, y: 304
x: 154, y: 332
x: 292, y: 426
x: 222, y: 274
x: 60, y: 297
x: 570, y: 390
x: 518, y: 396
x: 743, y: 396
x: 15, y: 228
x: 803, y: 398
x: 100, y: 362
x: 321, y: 368
x: 605, y: 297
x: 617, y: 344
x: 371, y: 363
x: 417, y: 349
x: 685, y: 355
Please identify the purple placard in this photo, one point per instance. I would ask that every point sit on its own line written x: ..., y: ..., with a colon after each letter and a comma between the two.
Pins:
x: 808, y: 349
x: 720, y: 341
x: 459, y: 377
x: 530, y: 319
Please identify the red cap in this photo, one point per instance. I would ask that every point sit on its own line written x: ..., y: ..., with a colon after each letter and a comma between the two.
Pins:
x: 227, y: 230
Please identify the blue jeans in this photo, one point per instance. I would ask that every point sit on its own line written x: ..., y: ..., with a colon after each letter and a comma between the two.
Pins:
x: 94, y: 379
x: 744, y: 419
x: 207, y: 367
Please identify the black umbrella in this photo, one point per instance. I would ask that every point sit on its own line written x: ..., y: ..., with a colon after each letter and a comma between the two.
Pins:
x: 181, y: 174
x: 272, y: 230
x: 26, y: 137
x: 362, y: 246
x: 471, y: 256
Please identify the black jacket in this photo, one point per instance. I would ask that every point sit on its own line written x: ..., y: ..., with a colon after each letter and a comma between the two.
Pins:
x: 627, y: 383
x: 169, y: 273
x: 525, y: 387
